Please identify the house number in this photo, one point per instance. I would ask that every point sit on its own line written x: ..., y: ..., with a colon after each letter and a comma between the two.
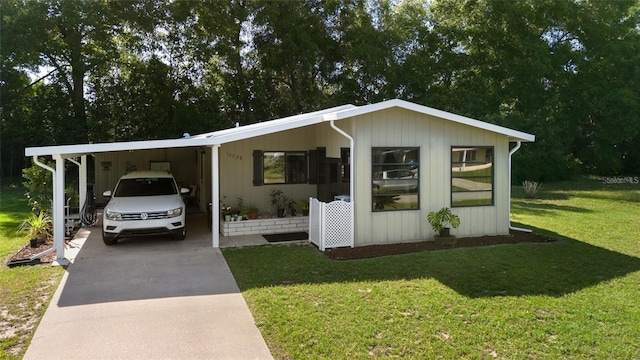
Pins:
x: 234, y: 156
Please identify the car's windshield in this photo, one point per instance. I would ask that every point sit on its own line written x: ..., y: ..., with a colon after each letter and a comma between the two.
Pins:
x: 146, y: 187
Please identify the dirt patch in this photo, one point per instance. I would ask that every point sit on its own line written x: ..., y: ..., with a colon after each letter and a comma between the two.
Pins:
x: 515, y: 237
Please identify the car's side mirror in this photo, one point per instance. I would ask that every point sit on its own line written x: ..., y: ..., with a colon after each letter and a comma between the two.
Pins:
x: 185, y: 190
x: 107, y: 193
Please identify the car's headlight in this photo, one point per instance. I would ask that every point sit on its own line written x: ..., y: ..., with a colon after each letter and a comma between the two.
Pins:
x: 113, y: 215
x: 174, y: 212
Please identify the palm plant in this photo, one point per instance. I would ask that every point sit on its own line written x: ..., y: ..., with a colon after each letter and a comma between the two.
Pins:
x: 36, y: 226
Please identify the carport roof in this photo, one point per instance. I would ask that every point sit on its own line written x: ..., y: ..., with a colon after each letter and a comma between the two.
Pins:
x: 270, y: 127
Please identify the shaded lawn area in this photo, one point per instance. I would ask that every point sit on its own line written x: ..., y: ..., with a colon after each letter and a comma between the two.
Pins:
x: 25, y: 291
x: 576, y: 298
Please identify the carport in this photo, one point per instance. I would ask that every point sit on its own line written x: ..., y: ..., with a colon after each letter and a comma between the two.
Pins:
x: 72, y: 153
x: 211, y: 142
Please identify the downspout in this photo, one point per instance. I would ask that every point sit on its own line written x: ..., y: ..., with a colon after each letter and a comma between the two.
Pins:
x: 511, y: 152
x: 352, y: 198
x: 53, y: 172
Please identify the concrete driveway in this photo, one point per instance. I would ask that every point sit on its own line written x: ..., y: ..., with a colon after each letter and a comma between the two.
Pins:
x: 148, y: 298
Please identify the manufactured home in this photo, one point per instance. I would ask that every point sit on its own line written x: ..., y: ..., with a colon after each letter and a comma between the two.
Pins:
x: 372, y: 173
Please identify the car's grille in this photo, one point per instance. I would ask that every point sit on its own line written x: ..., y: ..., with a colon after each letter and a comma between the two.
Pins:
x: 145, y: 216
x: 143, y: 232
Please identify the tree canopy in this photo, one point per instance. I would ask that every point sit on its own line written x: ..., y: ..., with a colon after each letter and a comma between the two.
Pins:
x: 90, y: 70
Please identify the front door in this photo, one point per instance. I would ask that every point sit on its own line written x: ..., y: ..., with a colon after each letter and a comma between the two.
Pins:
x: 329, y: 179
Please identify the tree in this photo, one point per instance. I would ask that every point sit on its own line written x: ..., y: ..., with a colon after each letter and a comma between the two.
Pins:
x: 565, y: 71
x: 72, y: 37
x: 16, y: 101
x: 561, y: 70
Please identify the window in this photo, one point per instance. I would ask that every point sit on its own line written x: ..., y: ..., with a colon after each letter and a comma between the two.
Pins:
x: 145, y: 187
x: 471, y: 178
x: 280, y: 167
x: 396, y: 181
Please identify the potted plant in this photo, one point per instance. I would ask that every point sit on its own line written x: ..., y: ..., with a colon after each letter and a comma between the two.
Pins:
x: 36, y: 228
x: 304, y: 206
x: 241, y: 211
x: 441, y: 220
x: 292, y: 208
x: 279, y: 202
x: 228, y: 212
x: 253, y: 212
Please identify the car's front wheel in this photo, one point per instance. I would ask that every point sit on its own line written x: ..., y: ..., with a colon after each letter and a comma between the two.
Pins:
x: 108, y: 239
x: 179, y: 234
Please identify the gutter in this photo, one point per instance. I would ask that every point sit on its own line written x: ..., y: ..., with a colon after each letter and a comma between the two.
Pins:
x: 511, y: 152
x: 351, y: 181
x: 53, y: 172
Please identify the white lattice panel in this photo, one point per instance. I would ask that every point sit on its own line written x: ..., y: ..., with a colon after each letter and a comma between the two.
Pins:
x: 337, y: 225
x: 315, y: 221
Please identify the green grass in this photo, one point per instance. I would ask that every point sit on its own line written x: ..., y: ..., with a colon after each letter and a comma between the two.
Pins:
x: 24, y: 291
x: 576, y: 298
x: 14, y: 208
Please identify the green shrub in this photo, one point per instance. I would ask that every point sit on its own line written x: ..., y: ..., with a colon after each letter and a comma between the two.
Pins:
x: 37, y: 182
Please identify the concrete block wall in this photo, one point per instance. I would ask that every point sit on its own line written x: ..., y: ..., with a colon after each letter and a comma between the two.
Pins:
x: 265, y: 226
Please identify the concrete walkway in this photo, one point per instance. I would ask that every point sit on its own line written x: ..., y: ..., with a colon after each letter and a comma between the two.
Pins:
x: 148, y: 298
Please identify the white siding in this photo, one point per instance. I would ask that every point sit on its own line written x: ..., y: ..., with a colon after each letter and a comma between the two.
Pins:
x: 183, y: 166
x: 236, y: 163
x: 394, y: 127
x: 434, y: 137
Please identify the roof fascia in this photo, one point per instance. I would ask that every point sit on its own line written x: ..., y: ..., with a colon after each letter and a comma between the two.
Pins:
x: 250, y: 131
x: 82, y: 149
x: 270, y: 123
x: 512, y: 134
x: 270, y: 127
x: 206, y: 139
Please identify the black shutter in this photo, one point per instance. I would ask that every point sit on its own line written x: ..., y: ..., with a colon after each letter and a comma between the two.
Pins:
x: 258, y: 173
x: 313, y: 167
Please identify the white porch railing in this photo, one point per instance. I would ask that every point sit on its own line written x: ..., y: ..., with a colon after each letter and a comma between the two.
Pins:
x: 330, y: 224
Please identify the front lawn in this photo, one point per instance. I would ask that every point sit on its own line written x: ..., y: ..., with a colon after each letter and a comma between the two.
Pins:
x: 575, y: 298
x: 25, y: 292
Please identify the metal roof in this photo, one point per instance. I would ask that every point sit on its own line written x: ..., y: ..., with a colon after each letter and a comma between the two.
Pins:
x: 270, y: 127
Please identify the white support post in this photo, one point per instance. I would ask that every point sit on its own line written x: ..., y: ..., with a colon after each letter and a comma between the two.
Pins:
x: 82, y: 181
x: 58, y: 210
x: 215, y: 196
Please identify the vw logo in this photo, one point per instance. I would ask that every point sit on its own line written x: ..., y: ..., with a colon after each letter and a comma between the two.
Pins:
x: 144, y: 216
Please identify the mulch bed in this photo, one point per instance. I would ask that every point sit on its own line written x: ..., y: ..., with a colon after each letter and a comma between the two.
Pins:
x: 27, y: 251
x: 370, y: 251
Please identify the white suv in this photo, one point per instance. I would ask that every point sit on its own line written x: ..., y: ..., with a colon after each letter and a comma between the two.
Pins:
x: 144, y: 203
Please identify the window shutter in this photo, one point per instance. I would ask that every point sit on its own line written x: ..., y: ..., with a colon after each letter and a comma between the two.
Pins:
x: 313, y: 166
x: 258, y: 173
